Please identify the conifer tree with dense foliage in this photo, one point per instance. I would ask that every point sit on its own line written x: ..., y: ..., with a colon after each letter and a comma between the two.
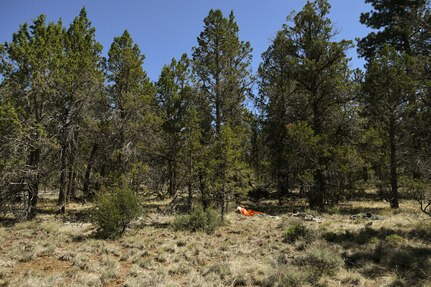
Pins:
x: 388, y: 91
x: 173, y: 93
x: 80, y: 86
x: 401, y: 37
x: 221, y: 63
x: 31, y: 68
x: 306, y: 95
x: 131, y: 97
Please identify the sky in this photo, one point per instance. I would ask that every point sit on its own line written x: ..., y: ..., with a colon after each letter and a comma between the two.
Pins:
x: 165, y: 29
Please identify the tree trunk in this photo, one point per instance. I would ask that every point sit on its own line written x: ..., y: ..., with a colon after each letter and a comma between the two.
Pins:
x: 283, y: 187
x: 71, y: 194
x: 202, y: 187
x: 91, y: 159
x: 317, y: 193
x: 62, y: 191
x: 33, y: 186
x: 71, y: 185
x: 171, y: 177
x: 189, y: 185
x: 393, y: 165
x: 222, y: 201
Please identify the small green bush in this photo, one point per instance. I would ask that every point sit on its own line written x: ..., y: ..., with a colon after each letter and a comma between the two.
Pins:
x: 199, y: 220
x: 114, y: 211
x: 322, y: 259
x: 295, y: 231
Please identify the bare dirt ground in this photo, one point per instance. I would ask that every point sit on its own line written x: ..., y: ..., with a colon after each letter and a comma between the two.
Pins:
x: 341, y: 248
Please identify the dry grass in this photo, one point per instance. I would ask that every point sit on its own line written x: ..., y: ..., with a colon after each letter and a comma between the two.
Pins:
x: 55, y: 251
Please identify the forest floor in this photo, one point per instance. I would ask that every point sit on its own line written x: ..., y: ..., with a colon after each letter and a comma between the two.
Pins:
x: 343, y: 247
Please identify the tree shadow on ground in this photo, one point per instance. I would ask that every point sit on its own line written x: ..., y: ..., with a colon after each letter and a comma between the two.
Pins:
x: 348, y: 210
x: 8, y: 222
x: 376, y: 252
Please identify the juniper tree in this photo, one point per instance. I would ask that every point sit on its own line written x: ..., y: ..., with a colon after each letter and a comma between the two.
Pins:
x: 31, y: 66
x: 81, y: 83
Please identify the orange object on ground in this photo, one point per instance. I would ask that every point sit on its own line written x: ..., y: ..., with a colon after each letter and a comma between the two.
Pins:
x: 248, y: 212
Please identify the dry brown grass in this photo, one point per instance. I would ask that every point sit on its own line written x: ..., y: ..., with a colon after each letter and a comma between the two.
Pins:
x: 60, y: 251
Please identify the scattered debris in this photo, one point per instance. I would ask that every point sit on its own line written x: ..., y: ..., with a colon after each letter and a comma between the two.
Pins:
x: 307, y: 217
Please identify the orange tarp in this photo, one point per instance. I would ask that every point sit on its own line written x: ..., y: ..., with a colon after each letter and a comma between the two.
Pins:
x: 248, y: 212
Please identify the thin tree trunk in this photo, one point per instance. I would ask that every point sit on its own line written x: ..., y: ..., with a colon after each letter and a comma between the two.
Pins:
x: 171, y: 177
x: 202, y: 187
x: 62, y: 191
x: 71, y: 185
x: 222, y: 201
x: 91, y: 159
x: 33, y: 186
x: 393, y: 165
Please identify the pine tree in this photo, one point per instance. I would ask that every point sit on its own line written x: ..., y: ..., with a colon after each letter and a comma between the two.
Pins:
x: 131, y: 97
x: 389, y: 89
x: 276, y: 92
x: 307, y: 93
x: 221, y: 63
x: 173, y: 89
x: 403, y: 25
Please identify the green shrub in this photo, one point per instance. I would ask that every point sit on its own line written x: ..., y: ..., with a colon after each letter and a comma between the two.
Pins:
x: 114, y: 211
x: 199, y: 220
x: 295, y: 231
x: 322, y: 259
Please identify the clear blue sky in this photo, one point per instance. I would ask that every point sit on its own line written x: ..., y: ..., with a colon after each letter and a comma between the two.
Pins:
x: 164, y: 29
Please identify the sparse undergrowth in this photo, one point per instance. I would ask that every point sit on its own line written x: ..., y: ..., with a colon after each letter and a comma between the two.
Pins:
x: 296, y: 231
x: 339, y: 251
x: 199, y: 220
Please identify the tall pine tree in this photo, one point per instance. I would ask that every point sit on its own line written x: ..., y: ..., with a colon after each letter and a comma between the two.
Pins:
x: 221, y: 62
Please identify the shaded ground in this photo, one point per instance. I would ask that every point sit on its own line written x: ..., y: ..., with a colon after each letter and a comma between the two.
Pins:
x: 57, y: 250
